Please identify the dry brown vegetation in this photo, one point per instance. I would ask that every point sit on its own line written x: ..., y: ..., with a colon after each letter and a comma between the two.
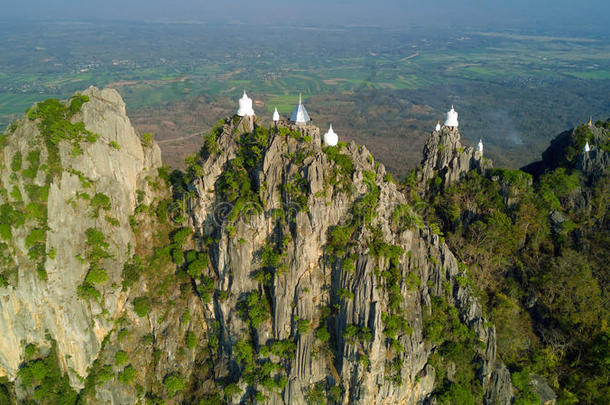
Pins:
x: 389, y: 131
x: 177, y: 127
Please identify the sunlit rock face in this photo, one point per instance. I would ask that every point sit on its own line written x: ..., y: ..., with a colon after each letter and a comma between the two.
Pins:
x: 32, y: 308
x: 446, y: 157
x: 316, y: 268
x: 312, y: 278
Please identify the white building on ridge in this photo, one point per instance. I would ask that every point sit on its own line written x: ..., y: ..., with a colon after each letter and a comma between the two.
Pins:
x: 299, y: 115
x: 276, y: 115
x: 331, y: 138
x: 245, y: 106
x: 452, y: 118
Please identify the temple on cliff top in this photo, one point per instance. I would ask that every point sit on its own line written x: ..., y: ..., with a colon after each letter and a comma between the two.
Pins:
x: 245, y: 106
x: 299, y: 115
x: 331, y: 138
x: 452, y: 118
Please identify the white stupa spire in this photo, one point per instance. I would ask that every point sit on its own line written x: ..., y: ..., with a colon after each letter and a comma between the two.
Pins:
x: 438, y: 126
x: 331, y: 138
x: 480, y: 146
x: 587, y: 148
x: 452, y: 118
x: 245, y: 106
x: 300, y: 115
x: 276, y: 115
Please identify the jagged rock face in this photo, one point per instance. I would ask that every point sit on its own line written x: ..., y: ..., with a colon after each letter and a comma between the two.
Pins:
x: 594, y: 162
x: 115, y: 165
x: 306, y: 239
x: 444, y: 156
x: 566, y: 150
x: 314, y: 280
x: 543, y: 391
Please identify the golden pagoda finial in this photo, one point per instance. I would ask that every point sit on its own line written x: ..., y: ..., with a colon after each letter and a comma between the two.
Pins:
x: 590, y: 121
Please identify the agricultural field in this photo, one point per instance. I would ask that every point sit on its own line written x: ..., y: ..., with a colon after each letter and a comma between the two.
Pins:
x: 383, y: 88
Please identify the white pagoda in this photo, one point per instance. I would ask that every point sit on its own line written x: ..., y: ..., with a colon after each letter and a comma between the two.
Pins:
x: 587, y: 148
x: 331, y: 138
x: 299, y: 115
x: 452, y: 118
x: 245, y: 106
x: 438, y: 126
x: 276, y: 115
x: 480, y: 146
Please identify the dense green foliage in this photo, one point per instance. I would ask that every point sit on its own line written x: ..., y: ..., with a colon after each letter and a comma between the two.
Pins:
x: 174, y: 383
x: 259, y: 370
x: 272, y: 262
x: 343, y: 162
x: 456, y: 345
x: 344, y: 167
x: 508, y: 238
x: 538, y: 258
x: 43, y: 379
x: 178, y: 238
x: 100, y: 201
x: 132, y: 270
x: 210, y: 141
x: 141, y: 306
x: 146, y: 139
x: 33, y: 159
x: 96, y: 250
x: 120, y: 358
x: 196, y: 263
x: 16, y: 162
x: 255, y: 309
x: 55, y: 125
x: 237, y: 184
x: 128, y: 375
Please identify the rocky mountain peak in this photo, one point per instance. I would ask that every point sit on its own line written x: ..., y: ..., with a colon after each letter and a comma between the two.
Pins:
x: 445, y: 158
x: 281, y: 271
x: 322, y: 242
x: 70, y: 174
x: 568, y: 150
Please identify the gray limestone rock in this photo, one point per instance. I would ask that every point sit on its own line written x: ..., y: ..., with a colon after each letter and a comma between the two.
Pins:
x: 312, y: 281
x: 445, y: 157
x: 500, y: 391
x: 594, y: 162
x: 541, y: 388
x: 33, y: 308
x: 303, y: 194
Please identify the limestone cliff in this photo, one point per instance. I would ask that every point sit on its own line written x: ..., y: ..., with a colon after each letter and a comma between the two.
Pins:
x: 446, y: 159
x: 567, y: 150
x: 280, y: 271
x: 37, y: 303
x: 351, y: 259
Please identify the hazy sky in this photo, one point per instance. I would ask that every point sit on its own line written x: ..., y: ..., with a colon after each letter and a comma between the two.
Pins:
x: 506, y: 13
